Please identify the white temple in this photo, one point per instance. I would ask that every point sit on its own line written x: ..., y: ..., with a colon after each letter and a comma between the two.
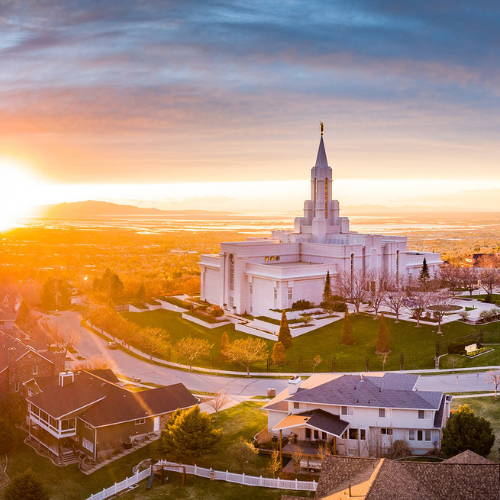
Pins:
x: 256, y: 275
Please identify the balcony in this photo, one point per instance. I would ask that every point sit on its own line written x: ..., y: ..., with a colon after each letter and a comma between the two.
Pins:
x: 54, y: 431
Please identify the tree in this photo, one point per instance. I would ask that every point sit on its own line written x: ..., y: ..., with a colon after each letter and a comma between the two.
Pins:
x: 56, y: 294
x: 355, y: 286
x: 279, y: 354
x: 191, y: 349
x: 376, y: 296
x: 327, y: 291
x: 141, y: 293
x: 468, y: 278
x: 6, y: 437
x: 316, y: 362
x: 490, y: 278
x: 189, y: 434
x: 466, y: 431
x: 424, y: 273
x: 284, y: 335
x: 275, y: 463
x: 224, y: 341
x: 243, y: 451
x: 395, y: 299
x: 347, y: 338
x: 246, y: 351
x: 218, y: 401
x: 23, y: 318
x: 383, y: 341
x: 27, y: 487
x: 440, y: 302
x: 418, y: 302
x: 494, y: 377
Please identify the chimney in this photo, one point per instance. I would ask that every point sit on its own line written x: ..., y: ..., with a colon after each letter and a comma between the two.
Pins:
x: 293, y: 384
x: 59, y: 358
x: 65, y: 378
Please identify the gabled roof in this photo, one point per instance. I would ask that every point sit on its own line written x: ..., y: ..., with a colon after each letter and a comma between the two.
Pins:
x: 99, y: 401
x: 371, y: 391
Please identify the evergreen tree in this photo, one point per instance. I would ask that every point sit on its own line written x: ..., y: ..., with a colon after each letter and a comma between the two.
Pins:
x: 402, y: 361
x: 466, y: 431
x: 279, y: 354
x: 189, y: 434
x: 23, y: 315
x: 27, y: 487
x: 224, y: 342
x: 383, y: 336
x: 284, y: 335
x: 327, y: 292
x: 141, y: 293
x: 6, y: 437
x: 424, y: 272
x: 347, y: 330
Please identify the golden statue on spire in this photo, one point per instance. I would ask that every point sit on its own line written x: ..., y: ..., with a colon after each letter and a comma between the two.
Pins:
x: 321, y: 127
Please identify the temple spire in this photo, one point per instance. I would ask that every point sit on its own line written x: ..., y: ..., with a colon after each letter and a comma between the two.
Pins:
x: 321, y: 160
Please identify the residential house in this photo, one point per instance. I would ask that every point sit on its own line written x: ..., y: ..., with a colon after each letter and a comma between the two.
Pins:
x: 358, y: 415
x: 87, y: 414
x: 466, y: 476
x: 20, y: 362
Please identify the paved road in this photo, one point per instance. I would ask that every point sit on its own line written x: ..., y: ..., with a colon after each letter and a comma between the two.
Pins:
x: 94, y: 349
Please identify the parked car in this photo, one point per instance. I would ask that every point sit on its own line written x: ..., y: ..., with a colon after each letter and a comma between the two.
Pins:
x: 112, y: 345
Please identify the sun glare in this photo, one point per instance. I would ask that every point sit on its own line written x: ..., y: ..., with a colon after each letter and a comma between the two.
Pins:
x: 20, y: 192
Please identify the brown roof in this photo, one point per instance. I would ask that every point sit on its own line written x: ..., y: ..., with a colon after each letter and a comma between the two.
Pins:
x: 437, y: 481
x: 13, y: 348
x: 337, y: 472
x: 100, y: 402
x: 468, y: 457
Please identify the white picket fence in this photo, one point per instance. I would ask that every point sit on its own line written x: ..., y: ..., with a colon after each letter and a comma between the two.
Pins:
x: 231, y: 477
x: 127, y: 483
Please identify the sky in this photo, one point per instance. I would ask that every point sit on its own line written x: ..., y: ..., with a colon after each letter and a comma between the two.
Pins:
x: 217, y: 104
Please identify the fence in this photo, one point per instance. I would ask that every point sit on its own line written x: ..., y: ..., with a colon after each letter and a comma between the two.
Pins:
x: 231, y: 477
x: 127, y: 483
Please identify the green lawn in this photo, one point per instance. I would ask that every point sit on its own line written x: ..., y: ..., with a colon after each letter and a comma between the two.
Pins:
x: 456, y: 361
x: 416, y: 344
x: 196, y: 488
x: 489, y: 408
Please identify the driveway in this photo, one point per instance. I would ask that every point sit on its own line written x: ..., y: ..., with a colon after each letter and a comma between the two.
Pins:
x: 94, y: 349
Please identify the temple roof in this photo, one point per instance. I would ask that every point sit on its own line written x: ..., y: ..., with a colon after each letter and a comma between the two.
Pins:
x: 321, y: 159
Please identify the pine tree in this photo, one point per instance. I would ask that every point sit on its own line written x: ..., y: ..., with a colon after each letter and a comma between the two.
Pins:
x: 424, y: 272
x: 189, y: 434
x: 347, y: 330
x: 224, y: 342
x: 279, y: 354
x: 23, y: 315
x: 284, y: 335
x: 327, y: 292
x: 383, y: 336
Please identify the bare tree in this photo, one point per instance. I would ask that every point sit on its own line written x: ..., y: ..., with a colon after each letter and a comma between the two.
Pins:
x: 490, y: 279
x: 450, y: 276
x: 418, y: 303
x: 354, y: 287
x: 469, y: 278
x: 440, y: 301
x: 395, y: 299
x: 494, y: 377
x: 218, y: 401
x: 376, y: 296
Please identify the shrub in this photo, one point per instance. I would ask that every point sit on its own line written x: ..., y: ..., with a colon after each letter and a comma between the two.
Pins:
x: 302, y: 304
x: 398, y: 449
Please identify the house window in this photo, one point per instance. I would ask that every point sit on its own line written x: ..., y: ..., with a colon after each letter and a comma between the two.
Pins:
x: 290, y: 293
x: 141, y: 421
x: 386, y: 431
x: 411, y: 435
x: 353, y: 433
x: 343, y: 410
x: 381, y: 412
x: 296, y: 405
x: 420, y: 435
x: 316, y: 434
x: 427, y: 435
x: 362, y: 434
x: 308, y: 433
x: 323, y: 436
x: 89, y: 445
x: 67, y: 424
x: 421, y: 414
x: 344, y: 435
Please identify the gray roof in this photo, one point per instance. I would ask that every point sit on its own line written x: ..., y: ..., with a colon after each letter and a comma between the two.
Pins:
x: 384, y: 392
x: 325, y: 421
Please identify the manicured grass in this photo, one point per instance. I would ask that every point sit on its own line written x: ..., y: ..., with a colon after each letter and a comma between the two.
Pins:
x: 416, y: 344
x: 196, y: 488
x: 456, y: 361
x: 488, y: 408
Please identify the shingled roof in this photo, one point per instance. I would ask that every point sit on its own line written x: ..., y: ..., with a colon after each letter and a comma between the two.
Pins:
x: 98, y: 401
x: 390, y: 391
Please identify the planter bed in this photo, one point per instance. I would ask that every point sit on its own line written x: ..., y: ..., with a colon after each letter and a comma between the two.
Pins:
x: 479, y: 352
x: 178, y: 302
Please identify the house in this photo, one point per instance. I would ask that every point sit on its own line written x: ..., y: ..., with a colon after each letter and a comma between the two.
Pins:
x: 20, y: 362
x: 466, y: 476
x: 87, y: 414
x: 357, y: 415
x: 260, y: 274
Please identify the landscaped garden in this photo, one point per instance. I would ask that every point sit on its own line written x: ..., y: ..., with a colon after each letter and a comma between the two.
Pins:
x: 410, y: 347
